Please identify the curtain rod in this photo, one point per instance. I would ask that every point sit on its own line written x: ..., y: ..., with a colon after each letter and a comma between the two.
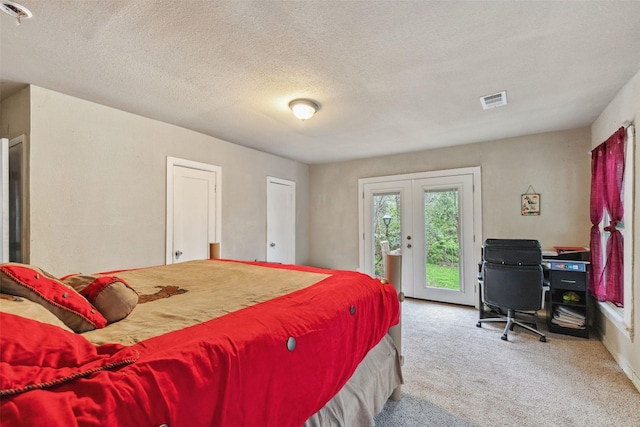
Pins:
x: 625, y: 125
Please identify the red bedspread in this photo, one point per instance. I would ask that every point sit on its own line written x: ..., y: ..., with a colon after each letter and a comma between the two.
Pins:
x: 235, y: 370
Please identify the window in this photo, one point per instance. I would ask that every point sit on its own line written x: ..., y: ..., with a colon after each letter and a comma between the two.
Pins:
x: 627, y: 226
x: 620, y: 312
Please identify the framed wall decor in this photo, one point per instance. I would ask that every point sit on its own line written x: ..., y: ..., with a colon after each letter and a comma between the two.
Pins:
x: 530, y: 203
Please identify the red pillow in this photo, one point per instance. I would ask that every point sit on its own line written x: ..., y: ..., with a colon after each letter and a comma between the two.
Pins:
x: 39, y: 286
x: 112, y: 296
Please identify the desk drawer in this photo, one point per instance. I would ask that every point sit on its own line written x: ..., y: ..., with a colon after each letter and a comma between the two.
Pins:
x: 570, y: 280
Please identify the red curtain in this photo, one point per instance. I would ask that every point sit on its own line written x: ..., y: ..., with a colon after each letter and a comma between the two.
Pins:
x: 596, y: 284
x: 607, y: 173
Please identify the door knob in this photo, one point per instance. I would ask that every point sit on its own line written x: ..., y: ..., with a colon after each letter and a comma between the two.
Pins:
x: 273, y: 245
x: 178, y: 253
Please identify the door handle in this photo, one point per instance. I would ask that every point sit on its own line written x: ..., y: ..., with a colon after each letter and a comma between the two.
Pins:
x: 273, y: 245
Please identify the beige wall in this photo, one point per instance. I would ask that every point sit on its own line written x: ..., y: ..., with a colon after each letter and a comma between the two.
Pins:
x: 98, y: 178
x: 624, y: 345
x: 555, y: 164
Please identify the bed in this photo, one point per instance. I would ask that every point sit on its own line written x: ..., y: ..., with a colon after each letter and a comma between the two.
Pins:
x: 206, y: 343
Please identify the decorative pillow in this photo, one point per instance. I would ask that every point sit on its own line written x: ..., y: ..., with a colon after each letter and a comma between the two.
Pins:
x: 112, y: 296
x: 39, y: 286
x: 31, y: 310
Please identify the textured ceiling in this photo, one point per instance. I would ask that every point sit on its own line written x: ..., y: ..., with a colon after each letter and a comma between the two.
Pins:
x: 391, y: 76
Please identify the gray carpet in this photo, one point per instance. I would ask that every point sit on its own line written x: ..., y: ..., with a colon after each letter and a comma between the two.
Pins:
x: 459, y: 375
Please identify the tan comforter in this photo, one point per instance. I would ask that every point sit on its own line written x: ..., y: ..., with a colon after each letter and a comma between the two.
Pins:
x: 196, y: 291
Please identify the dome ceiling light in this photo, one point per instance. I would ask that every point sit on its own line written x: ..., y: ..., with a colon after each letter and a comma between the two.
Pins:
x: 303, y: 108
x: 15, y: 10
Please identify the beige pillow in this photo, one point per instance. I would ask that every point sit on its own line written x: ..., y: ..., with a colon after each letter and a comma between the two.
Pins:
x: 63, y: 301
x: 31, y: 310
x: 112, y: 296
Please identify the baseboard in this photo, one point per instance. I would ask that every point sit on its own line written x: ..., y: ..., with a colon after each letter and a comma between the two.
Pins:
x: 622, y: 361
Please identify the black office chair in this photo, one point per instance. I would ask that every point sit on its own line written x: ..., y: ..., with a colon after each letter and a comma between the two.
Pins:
x: 512, y: 279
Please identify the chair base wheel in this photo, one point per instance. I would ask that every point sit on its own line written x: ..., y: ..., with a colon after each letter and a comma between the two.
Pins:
x: 504, y: 337
x: 543, y: 339
x: 479, y: 324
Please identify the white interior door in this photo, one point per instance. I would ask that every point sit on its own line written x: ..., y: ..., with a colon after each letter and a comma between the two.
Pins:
x: 18, y: 195
x: 281, y: 221
x: 193, y: 209
x: 4, y: 200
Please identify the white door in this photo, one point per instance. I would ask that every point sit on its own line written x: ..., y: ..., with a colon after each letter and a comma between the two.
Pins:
x: 18, y: 221
x: 193, y: 209
x: 432, y: 219
x: 388, y: 218
x: 4, y: 200
x: 443, y: 250
x: 281, y: 221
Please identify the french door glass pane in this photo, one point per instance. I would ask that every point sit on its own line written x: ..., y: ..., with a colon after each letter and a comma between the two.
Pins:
x: 442, y: 238
x: 386, y: 227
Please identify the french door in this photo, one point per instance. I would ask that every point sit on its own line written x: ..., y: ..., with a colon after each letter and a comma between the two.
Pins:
x: 431, y: 219
x: 387, y: 218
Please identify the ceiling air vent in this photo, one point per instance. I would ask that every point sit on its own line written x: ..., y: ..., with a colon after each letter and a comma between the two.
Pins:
x: 495, y: 100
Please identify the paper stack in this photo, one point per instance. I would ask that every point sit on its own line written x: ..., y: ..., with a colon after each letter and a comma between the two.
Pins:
x: 568, y: 318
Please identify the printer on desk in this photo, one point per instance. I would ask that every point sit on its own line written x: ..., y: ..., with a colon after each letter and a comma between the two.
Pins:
x: 567, y: 253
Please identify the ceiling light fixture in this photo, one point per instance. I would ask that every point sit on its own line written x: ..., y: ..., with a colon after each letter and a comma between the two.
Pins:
x: 15, y: 10
x: 303, y: 108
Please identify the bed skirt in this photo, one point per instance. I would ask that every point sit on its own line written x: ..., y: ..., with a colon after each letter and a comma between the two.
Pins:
x: 366, y: 392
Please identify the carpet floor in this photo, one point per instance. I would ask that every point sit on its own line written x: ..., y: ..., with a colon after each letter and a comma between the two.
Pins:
x: 456, y: 374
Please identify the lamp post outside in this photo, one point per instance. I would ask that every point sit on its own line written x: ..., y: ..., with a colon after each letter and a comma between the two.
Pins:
x: 387, y: 220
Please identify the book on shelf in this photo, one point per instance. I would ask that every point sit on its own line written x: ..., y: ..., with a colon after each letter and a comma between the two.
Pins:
x: 567, y: 325
x: 568, y: 318
x: 568, y: 311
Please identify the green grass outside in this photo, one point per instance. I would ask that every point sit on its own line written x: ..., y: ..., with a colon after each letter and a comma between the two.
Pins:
x: 442, y: 276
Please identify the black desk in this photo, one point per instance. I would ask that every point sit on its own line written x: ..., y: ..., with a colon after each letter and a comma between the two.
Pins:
x: 568, y: 298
